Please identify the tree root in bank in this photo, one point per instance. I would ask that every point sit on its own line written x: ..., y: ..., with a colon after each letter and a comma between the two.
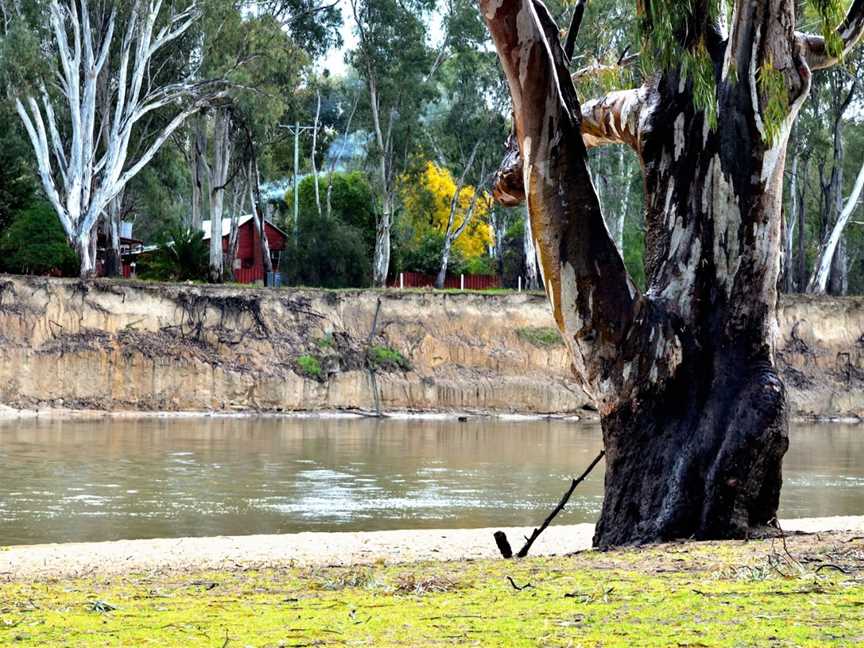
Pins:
x: 501, y: 537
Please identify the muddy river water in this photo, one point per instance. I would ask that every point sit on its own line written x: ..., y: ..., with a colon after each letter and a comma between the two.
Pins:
x: 90, y: 480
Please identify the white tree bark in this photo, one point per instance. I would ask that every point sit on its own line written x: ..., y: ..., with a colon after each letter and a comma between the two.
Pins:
x: 450, y: 235
x: 819, y: 280
x: 79, y: 174
x: 199, y: 172
x: 381, y: 262
x: 790, y: 223
x: 314, y: 152
x: 218, y: 180
x: 259, y: 217
x: 238, y: 202
x: 625, y: 201
x: 532, y: 281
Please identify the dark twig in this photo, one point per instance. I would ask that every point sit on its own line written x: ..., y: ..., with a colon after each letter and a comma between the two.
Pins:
x: 833, y: 566
x: 501, y: 537
x: 573, y: 32
x: 518, y: 588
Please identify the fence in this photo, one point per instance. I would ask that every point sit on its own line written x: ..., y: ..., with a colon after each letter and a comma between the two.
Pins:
x: 458, y: 282
x: 248, y: 275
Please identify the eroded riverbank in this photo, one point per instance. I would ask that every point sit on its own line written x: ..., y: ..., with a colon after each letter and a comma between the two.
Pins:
x: 116, y: 346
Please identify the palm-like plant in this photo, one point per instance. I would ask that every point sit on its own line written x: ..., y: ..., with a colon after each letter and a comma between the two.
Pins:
x: 181, y: 255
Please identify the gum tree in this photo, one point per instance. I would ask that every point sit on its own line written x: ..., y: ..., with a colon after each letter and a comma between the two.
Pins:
x: 693, y: 410
x: 82, y: 148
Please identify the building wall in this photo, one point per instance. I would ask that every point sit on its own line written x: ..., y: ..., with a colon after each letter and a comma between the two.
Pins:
x: 251, y: 265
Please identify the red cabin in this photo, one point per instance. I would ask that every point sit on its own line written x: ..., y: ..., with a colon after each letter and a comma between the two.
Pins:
x: 248, y: 264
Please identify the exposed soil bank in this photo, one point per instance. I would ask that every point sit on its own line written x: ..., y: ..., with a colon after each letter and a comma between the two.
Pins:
x: 75, y: 560
x: 116, y: 346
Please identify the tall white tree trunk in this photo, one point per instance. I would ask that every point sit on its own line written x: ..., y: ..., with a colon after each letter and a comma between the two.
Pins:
x: 450, y: 235
x: 218, y: 180
x: 532, y: 281
x: 381, y: 262
x: 790, y: 221
x: 625, y: 200
x: 199, y: 172
x: 238, y: 202
x: 259, y: 217
x: 86, y: 254
x: 819, y: 280
x: 114, y: 258
x: 314, y: 153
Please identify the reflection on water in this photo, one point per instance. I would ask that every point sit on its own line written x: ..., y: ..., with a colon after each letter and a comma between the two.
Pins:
x: 64, y: 481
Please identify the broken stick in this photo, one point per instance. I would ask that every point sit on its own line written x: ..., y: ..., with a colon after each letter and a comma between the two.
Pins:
x: 501, y: 537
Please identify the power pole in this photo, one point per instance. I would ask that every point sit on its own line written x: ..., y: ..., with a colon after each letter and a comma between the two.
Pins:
x: 296, y: 130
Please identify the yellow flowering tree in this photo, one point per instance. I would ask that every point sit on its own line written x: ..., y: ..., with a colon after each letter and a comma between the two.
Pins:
x: 428, y: 200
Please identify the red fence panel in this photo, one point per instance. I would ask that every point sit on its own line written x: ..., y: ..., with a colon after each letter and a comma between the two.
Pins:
x: 453, y: 282
x: 248, y: 275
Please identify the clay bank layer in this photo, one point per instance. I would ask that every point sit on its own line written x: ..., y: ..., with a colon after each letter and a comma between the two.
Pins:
x: 140, y: 346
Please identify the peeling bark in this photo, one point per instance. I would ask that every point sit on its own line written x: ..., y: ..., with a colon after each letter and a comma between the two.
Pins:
x: 693, y: 410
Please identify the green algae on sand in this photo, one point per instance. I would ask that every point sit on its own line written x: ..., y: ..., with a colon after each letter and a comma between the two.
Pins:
x: 697, y: 594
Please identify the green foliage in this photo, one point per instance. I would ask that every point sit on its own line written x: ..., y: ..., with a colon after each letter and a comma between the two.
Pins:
x: 386, y: 357
x: 182, y: 255
x: 697, y: 66
x: 665, y: 25
x: 831, y: 14
x: 309, y: 366
x: 540, y: 337
x: 332, y: 251
x: 424, y: 255
x: 352, y: 201
x: 17, y: 180
x: 35, y: 243
x: 325, y: 342
x: 775, y: 100
x: 22, y: 56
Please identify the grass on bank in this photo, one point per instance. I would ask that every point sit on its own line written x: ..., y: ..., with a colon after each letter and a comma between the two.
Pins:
x: 540, y: 337
x: 731, y: 594
x: 309, y: 366
x: 387, y: 357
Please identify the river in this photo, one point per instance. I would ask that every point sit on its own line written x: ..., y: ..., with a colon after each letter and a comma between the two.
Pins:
x: 90, y: 480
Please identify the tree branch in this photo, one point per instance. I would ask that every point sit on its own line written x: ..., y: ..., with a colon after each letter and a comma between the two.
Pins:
x: 592, y: 296
x: 850, y: 32
x: 575, y: 25
x: 613, y: 119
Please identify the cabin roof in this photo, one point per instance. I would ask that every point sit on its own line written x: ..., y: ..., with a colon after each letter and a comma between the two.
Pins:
x: 226, y: 226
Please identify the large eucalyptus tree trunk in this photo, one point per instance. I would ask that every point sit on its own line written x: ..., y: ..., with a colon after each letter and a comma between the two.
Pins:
x: 693, y: 410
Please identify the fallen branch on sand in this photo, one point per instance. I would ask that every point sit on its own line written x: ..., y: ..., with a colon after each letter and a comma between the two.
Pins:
x: 501, y: 537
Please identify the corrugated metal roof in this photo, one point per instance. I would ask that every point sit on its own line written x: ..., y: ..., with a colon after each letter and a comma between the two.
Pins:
x: 226, y: 225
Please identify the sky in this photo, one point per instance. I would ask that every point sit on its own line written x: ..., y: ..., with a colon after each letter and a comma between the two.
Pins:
x: 335, y: 59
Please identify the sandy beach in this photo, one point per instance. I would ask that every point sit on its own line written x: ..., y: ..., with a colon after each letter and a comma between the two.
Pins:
x: 74, y: 560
